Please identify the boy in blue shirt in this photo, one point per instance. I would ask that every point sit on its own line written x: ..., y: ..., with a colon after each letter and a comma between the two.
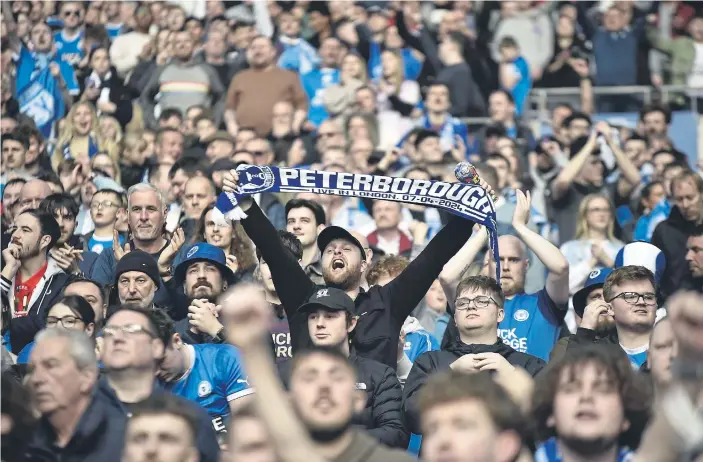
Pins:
x: 514, y: 73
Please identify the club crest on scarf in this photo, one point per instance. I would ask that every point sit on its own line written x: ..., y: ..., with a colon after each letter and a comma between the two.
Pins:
x: 258, y: 178
x: 466, y: 198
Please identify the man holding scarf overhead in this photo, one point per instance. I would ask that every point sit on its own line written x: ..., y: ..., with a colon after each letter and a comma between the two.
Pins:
x: 381, y: 311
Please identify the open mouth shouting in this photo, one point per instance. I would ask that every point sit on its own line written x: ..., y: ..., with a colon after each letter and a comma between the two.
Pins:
x: 338, y: 264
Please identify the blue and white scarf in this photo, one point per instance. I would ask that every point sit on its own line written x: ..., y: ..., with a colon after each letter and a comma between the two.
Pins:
x: 549, y: 452
x: 465, y: 199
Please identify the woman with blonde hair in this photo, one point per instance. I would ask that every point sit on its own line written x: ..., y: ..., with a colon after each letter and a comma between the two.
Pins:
x: 594, y: 245
x: 103, y: 163
x: 353, y: 67
x: 80, y: 138
x: 396, y: 99
x: 110, y: 129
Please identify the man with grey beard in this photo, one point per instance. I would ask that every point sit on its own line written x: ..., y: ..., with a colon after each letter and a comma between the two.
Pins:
x: 381, y: 311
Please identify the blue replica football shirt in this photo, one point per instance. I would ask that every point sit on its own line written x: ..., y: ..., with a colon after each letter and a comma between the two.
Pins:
x: 315, y: 83
x: 68, y: 51
x: 531, y: 324
x: 213, y: 380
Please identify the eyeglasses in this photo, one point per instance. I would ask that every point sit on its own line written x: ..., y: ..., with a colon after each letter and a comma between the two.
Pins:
x: 104, y: 204
x: 633, y: 298
x: 479, y: 301
x: 75, y: 13
x: 128, y: 329
x: 66, y: 321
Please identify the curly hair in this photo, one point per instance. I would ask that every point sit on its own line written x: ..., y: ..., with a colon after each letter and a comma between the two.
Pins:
x: 241, y: 246
x: 391, y: 265
x: 635, y: 395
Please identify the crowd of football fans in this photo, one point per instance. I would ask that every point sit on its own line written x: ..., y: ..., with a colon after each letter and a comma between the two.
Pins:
x: 138, y: 326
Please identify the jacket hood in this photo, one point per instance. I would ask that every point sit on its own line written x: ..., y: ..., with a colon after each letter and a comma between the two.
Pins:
x: 52, y: 268
x: 677, y: 220
x: 459, y: 348
x: 411, y: 325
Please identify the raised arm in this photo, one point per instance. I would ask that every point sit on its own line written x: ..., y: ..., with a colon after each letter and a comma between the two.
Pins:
x: 630, y: 174
x: 292, y: 284
x: 409, y: 288
x: 558, y: 280
x: 12, y: 38
x: 572, y: 168
x: 250, y: 319
x: 450, y: 276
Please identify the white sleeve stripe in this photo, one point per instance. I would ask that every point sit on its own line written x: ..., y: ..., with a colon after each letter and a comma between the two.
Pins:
x: 240, y: 394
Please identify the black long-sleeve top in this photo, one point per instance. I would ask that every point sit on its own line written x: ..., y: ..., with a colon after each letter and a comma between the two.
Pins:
x: 381, y: 310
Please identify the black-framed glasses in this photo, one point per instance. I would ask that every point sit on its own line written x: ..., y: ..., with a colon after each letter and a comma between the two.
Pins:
x: 479, y: 301
x: 68, y: 13
x: 633, y: 298
x: 127, y: 329
x: 66, y: 321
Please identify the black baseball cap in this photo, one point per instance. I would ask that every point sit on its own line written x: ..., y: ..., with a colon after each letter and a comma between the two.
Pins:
x: 328, y: 299
x: 331, y: 233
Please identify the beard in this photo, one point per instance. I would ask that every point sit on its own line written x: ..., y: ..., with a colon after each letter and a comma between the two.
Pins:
x: 589, y: 447
x: 328, y: 434
x: 30, y: 251
x: 605, y: 326
x: 146, y: 234
x: 348, y: 279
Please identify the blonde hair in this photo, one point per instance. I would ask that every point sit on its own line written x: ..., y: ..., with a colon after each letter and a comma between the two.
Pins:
x: 398, y: 76
x: 582, y: 224
x: 68, y: 133
x: 364, y: 77
x: 119, y: 134
x: 115, y: 165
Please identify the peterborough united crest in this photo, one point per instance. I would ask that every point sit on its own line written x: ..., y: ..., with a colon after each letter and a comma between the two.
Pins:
x: 255, y: 178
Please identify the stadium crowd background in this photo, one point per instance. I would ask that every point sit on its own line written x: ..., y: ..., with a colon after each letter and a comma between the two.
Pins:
x: 137, y: 327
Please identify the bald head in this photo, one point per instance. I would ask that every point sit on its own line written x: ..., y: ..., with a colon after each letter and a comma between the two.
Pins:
x: 513, y: 265
x: 32, y: 193
x: 512, y: 245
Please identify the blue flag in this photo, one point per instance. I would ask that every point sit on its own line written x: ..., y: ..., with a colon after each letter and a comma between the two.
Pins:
x: 42, y: 101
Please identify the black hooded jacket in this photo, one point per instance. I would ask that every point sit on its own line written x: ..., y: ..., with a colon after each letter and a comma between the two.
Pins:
x: 381, y: 415
x: 670, y: 236
x: 431, y: 362
x: 381, y: 310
